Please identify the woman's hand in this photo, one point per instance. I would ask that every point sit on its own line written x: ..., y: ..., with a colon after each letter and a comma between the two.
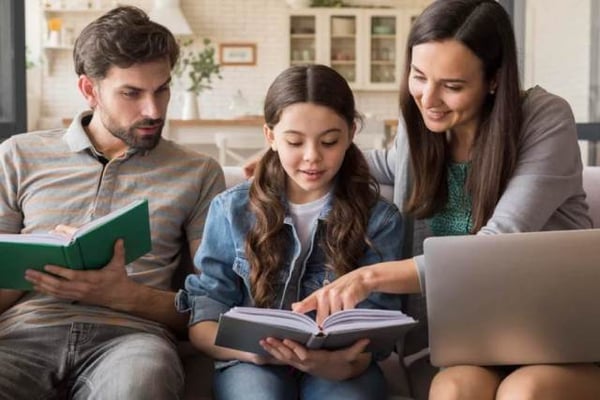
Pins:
x: 334, y: 365
x: 344, y: 293
x: 250, y: 167
x: 350, y: 289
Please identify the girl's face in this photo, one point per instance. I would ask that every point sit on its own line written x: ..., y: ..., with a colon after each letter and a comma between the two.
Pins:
x: 447, y: 82
x: 311, y: 141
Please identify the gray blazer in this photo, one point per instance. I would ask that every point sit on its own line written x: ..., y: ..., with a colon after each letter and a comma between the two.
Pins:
x: 545, y: 192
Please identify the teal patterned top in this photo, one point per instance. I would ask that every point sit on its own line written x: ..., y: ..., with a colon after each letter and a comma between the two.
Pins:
x: 455, y: 218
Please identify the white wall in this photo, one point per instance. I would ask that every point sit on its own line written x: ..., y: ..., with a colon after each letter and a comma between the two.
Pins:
x: 557, y: 50
x: 264, y: 22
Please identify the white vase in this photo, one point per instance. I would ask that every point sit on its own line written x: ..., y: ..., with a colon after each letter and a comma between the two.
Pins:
x: 190, y: 106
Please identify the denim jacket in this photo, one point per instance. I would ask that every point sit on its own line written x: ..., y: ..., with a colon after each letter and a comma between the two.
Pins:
x: 224, y: 281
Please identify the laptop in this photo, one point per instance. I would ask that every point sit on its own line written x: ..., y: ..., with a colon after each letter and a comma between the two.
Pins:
x: 518, y: 298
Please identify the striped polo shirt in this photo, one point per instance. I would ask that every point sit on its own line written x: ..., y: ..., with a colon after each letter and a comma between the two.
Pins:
x: 56, y: 177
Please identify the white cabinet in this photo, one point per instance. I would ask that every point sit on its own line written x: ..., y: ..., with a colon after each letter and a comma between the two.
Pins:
x: 366, y: 46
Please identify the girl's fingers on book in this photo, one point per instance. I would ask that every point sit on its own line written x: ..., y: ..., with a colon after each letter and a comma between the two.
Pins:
x: 300, y: 352
x: 306, y: 305
x: 276, y: 349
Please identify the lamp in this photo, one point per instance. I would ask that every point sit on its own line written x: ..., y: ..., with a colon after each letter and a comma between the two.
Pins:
x: 168, y: 14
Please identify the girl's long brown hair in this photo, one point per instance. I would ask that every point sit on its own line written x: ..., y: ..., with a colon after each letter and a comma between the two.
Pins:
x: 355, y: 192
x: 485, y: 28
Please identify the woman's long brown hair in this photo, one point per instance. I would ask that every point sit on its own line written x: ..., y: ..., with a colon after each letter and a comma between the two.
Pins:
x: 355, y: 192
x: 485, y: 28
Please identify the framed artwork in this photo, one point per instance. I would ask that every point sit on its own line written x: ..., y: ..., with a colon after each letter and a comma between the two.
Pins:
x: 237, y: 54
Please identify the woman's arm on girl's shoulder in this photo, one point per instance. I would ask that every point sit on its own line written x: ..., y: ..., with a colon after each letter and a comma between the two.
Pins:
x: 548, y: 172
x: 383, y: 163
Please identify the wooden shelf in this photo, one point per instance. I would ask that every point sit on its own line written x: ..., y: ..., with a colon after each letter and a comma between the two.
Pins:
x: 245, y: 121
x: 79, y: 10
x: 257, y: 120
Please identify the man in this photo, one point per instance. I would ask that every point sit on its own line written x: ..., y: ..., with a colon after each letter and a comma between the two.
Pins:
x: 104, y: 334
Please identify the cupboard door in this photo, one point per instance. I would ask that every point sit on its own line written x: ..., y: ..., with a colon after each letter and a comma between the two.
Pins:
x: 344, y: 46
x: 366, y: 46
x: 383, y: 59
x: 303, y: 39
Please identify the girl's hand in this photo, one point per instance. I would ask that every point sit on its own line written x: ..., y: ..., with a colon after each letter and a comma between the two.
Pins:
x: 334, y: 365
x: 261, y: 360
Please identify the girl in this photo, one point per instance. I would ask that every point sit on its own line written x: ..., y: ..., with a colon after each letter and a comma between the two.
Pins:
x: 311, y: 214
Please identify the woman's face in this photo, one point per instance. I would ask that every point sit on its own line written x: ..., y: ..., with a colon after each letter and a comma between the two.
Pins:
x: 311, y: 141
x: 447, y: 83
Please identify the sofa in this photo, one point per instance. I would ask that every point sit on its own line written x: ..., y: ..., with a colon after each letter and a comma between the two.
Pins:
x: 408, y: 376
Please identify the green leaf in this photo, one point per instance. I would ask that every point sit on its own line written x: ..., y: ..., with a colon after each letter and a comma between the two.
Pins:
x: 198, y: 65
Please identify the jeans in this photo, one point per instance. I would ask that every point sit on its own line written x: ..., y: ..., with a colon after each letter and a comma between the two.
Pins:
x: 88, y: 361
x: 277, y: 382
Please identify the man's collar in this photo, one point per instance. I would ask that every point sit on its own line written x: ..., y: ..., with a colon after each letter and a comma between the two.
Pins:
x: 78, y: 140
x: 76, y: 136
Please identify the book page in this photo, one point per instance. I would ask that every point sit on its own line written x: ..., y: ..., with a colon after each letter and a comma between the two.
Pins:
x: 363, y: 318
x: 284, y: 318
x: 40, y: 238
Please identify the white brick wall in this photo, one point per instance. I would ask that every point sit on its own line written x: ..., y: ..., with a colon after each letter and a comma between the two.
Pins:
x: 263, y: 22
x: 557, y: 50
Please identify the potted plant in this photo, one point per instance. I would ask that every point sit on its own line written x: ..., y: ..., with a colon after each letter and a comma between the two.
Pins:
x: 197, y: 68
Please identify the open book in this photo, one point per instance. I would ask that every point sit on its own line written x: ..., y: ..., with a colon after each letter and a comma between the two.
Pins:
x: 241, y: 328
x: 91, y: 247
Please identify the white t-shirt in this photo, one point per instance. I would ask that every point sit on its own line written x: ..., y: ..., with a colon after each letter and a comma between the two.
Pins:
x: 305, y: 217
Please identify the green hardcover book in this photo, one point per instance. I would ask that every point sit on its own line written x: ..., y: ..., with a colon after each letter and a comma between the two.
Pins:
x: 91, y: 246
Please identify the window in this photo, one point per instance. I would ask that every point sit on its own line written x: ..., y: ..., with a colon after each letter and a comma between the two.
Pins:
x: 559, y: 49
x: 12, y: 68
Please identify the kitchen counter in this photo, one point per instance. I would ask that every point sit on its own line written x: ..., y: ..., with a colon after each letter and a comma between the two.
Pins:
x: 202, y: 131
x: 257, y: 120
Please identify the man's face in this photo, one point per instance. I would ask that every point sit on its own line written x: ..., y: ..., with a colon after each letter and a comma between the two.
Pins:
x: 132, y: 102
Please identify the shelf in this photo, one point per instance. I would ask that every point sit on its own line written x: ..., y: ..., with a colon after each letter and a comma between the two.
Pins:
x: 383, y: 63
x: 59, y: 47
x: 81, y: 10
x: 343, y: 37
x: 383, y: 37
x: 71, y: 16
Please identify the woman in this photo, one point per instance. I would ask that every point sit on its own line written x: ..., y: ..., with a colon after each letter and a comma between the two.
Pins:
x: 475, y: 156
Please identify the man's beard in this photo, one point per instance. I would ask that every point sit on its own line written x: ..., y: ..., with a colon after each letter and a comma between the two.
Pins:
x: 127, y: 135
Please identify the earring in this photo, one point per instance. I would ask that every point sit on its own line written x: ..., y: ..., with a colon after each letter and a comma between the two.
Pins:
x: 492, y: 91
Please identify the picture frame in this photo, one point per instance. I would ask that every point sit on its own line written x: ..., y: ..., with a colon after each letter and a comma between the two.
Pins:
x: 237, y: 54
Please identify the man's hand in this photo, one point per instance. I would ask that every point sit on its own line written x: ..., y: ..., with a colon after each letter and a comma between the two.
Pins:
x: 109, y: 286
x: 335, y: 365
